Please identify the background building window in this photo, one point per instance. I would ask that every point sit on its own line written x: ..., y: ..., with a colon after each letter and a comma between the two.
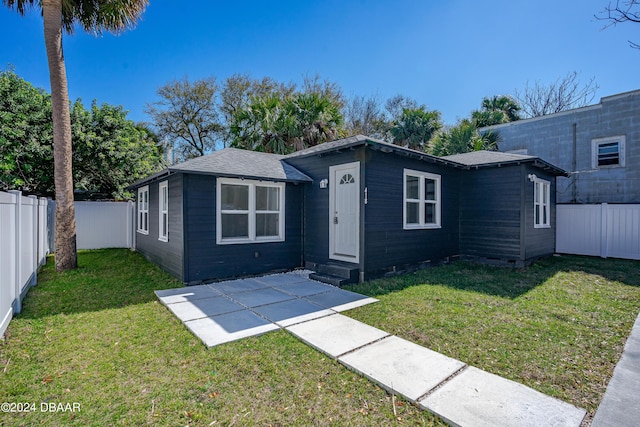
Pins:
x: 608, y: 152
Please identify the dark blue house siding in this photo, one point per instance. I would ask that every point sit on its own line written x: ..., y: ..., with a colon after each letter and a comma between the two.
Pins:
x: 384, y: 243
x: 316, y: 200
x: 490, y: 212
x: 497, y: 214
x: 538, y: 242
x: 387, y: 244
x: 205, y: 260
x: 168, y: 255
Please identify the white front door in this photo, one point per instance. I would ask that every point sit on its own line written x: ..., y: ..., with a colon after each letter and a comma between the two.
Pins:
x: 344, y: 212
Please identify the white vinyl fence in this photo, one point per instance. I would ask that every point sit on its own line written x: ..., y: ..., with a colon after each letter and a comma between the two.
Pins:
x: 105, y: 224
x: 603, y: 230
x: 26, y: 237
x: 23, y: 249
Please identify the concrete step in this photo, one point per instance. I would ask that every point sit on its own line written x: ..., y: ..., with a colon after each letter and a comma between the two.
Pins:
x: 329, y: 278
x: 346, y: 272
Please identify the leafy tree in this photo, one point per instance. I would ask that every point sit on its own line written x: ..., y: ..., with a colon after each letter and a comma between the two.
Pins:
x: 239, y: 90
x: 623, y: 11
x: 187, y: 114
x: 365, y: 116
x: 109, y: 151
x: 26, y: 137
x: 463, y: 138
x: 325, y: 89
x: 563, y: 94
x: 415, y: 127
x: 95, y: 16
x: 496, y: 110
x: 396, y: 105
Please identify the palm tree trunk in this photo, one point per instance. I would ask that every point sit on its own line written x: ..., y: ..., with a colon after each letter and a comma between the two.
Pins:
x: 65, y: 221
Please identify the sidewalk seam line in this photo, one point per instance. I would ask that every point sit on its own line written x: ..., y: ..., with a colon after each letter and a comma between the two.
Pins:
x: 365, y: 345
x: 442, y: 383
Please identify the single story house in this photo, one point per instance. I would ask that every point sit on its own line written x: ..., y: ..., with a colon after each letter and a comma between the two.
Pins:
x: 351, y: 210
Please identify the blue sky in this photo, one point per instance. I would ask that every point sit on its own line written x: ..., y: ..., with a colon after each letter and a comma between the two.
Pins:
x: 447, y: 54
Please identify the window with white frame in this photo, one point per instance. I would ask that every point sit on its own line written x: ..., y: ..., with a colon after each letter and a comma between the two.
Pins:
x: 422, y: 204
x: 608, y: 152
x: 249, y: 211
x: 143, y: 210
x: 163, y: 211
x: 541, y: 203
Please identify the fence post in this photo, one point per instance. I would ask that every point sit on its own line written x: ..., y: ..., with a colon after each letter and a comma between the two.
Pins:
x: 34, y: 237
x: 17, y: 303
x: 604, y: 237
x: 132, y: 225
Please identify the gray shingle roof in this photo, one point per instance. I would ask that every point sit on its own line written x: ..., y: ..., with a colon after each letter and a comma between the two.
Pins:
x: 485, y: 158
x: 358, y: 140
x: 333, y: 145
x: 243, y: 163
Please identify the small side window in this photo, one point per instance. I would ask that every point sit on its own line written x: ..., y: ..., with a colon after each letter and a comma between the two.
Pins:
x: 143, y: 210
x: 163, y: 211
x: 608, y: 152
x: 541, y: 203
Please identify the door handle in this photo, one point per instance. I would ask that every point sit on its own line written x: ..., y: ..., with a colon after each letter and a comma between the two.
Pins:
x: 335, y: 219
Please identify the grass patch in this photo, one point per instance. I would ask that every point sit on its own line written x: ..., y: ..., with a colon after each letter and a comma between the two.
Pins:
x: 558, y: 326
x: 97, y: 336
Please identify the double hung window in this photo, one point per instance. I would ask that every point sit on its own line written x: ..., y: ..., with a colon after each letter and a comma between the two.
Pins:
x: 541, y: 203
x: 422, y: 204
x: 143, y: 210
x: 163, y: 212
x: 249, y: 211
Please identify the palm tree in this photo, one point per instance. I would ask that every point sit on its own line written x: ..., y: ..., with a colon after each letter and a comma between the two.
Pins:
x: 415, y: 127
x: 463, y: 138
x: 496, y: 110
x: 95, y: 16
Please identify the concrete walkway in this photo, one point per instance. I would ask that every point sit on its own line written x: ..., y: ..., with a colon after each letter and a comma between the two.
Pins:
x: 620, y: 406
x: 460, y: 394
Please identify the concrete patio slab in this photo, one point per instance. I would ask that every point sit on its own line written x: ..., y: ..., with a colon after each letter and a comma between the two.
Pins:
x: 290, y: 312
x: 304, y: 289
x: 401, y: 366
x: 337, y: 299
x: 191, y: 293
x: 336, y: 334
x: 205, y: 307
x: 282, y: 279
x: 229, y: 327
x: 480, y: 399
x: 237, y: 286
x: 260, y: 297
x: 620, y: 405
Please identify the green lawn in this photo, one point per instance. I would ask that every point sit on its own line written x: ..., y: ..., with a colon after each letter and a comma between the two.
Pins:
x: 97, y: 336
x: 558, y: 326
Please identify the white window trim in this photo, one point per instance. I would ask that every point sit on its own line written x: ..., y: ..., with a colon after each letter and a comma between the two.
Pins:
x: 595, y: 143
x: 251, y: 211
x: 438, y: 202
x: 546, y: 204
x: 164, y: 185
x: 143, y: 210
